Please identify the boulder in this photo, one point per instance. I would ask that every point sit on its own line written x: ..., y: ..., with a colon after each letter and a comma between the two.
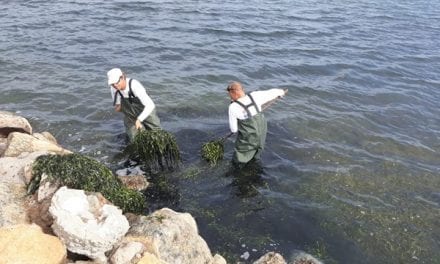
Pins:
x: 85, y: 224
x: 135, y: 182
x: 46, y: 136
x: 28, y: 244
x: 10, y: 122
x: 271, y: 258
x: 174, y: 235
x: 19, y: 143
x: 127, y: 252
x: 217, y: 259
x: 124, y: 249
x: 16, y: 169
x: 149, y: 258
x: 300, y: 257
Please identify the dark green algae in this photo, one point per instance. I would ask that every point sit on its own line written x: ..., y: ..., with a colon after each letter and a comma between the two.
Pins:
x: 213, y: 151
x: 157, y: 149
x: 77, y: 171
x: 381, y: 215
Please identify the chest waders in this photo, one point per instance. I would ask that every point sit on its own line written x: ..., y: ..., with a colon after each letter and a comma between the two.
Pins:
x: 251, y: 135
x: 131, y: 107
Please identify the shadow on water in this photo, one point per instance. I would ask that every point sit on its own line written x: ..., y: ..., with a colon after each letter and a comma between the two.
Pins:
x: 162, y: 192
x: 247, y: 179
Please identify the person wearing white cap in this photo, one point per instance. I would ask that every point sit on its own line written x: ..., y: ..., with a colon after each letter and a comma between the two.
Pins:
x: 130, y: 97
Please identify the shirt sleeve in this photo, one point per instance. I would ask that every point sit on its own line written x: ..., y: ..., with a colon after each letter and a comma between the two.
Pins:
x: 233, y: 120
x: 262, y: 97
x: 139, y: 92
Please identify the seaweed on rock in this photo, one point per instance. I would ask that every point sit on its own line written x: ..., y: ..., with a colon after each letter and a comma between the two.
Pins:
x: 81, y: 172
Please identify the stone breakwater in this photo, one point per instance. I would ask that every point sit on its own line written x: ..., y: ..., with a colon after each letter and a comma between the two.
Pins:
x: 62, y: 225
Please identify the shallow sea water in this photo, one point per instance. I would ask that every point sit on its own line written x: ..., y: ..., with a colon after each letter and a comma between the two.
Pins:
x: 351, y: 168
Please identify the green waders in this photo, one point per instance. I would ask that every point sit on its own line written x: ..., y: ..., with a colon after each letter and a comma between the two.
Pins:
x: 132, y: 107
x: 251, y: 135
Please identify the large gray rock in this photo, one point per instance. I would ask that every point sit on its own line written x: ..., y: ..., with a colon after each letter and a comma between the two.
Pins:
x: 10, y: 122
x: 85, y: 224
x: 174, y: 236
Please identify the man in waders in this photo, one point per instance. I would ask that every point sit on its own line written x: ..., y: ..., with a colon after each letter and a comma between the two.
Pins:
x: 246, y: 118
x: 130, y: 98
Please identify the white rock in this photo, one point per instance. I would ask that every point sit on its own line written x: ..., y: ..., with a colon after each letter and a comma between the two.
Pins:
x: 85, y: 226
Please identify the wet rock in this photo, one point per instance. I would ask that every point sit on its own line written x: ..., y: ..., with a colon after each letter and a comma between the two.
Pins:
x: 135, y: 182
x: 303, y: 258
x: 271, y: 258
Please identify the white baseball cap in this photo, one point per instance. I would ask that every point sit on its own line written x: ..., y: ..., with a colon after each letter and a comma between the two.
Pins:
x: 114, y: 75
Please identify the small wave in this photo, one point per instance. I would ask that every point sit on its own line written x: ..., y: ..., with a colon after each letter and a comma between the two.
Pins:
x: 427, y: 201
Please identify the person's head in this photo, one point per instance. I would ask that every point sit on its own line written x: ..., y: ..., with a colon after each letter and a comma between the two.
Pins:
x: 235, y: 90
x: 116, y: 78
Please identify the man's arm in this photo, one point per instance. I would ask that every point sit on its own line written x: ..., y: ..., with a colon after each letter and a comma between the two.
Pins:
x: 264, y: 97
x: 139, y: 92
x: 233, y: 122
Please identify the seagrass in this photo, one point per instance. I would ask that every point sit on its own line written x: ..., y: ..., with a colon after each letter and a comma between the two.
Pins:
x: 156, y: 149
x: 77, y: 171
x: 213, y: 151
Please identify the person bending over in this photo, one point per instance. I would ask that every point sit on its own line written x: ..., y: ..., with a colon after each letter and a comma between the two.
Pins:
x: 130, y: 98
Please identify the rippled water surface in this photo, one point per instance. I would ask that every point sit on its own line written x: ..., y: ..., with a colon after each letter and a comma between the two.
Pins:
x: 352, y: 162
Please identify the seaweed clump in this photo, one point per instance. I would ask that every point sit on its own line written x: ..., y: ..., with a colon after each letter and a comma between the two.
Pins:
x: 213, y: 151
x: 81, y: 172
x: 157, y: 149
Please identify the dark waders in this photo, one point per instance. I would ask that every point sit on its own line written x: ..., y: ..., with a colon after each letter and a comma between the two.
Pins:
x: 132, y: 107
x: 251, y: 135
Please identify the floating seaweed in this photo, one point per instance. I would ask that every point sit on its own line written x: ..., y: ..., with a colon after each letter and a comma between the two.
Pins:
x: 213, y: 151
x: 157, y: 149
x: 81, y: 172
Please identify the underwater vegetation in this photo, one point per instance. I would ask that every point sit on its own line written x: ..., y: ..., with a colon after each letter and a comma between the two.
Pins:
x: 213, y: 151
x: 384, y: 216
x: 81, y: 172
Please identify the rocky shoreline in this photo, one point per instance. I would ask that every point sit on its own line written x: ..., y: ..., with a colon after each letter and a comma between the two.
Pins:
x: 62, y: 225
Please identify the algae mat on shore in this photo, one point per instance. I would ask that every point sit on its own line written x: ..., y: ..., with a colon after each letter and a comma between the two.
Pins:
x: 387, y: 214
x: 81, y: 172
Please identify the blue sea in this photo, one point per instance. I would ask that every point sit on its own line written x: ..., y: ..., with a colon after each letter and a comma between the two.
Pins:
x: 351, y: 168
